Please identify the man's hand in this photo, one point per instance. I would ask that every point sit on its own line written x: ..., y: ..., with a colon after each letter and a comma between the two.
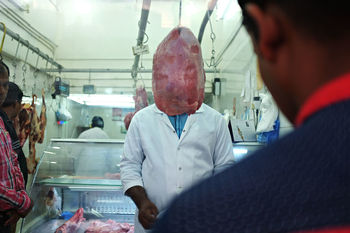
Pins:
x: 13, y: 217
x: 22, y: 215
x: 147, y: 210
x: 147, y: 214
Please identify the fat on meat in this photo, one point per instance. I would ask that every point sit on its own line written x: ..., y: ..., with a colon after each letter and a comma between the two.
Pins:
x: 73, y: 224
x: 178, y: 76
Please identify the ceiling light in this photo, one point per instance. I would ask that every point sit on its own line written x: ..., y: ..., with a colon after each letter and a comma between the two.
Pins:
x: 116, y: 101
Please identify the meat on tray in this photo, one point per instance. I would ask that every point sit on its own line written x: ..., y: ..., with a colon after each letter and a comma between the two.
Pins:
x: 73, y: 224
x: 178, y: 75
x: 109, y: 226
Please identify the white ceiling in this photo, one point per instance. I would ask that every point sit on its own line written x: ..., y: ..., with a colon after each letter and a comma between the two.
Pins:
x: 100, y: 34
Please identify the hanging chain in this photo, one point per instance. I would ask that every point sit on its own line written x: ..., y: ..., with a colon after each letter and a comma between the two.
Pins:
x: 140, y: 73
x: 24, y: 69
x: 180, y: 11
x: 14, y: 63
x: 213, y: 62
x: 45, y: 79
x: 35, y: 75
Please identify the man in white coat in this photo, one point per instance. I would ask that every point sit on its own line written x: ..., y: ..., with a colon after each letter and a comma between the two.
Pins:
x: 165, y: 155
x: 96, y: 130
x: 90, y: 159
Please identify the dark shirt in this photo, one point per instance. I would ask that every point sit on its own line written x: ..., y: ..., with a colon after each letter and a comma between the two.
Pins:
x: 16, y: 146
x: 298, y: 183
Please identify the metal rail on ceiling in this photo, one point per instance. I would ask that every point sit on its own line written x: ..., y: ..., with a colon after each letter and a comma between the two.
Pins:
x: 26, y: 43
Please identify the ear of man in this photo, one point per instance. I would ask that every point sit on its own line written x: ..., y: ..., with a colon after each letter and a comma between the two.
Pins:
x: 270, y: 32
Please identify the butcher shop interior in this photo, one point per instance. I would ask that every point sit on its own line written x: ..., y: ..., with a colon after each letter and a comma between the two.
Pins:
x: 80, y: 63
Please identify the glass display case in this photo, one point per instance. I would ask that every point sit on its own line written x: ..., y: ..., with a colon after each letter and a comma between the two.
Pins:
x: 73, y: 174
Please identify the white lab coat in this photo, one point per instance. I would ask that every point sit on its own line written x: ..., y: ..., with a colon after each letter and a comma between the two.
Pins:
x: 93, y: 133
x: 92, y: 160
x: 156, y: 159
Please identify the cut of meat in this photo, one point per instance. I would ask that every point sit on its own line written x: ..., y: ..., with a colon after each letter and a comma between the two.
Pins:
x: 73, y: 224
x: 178, y: 75
x: 31, y: 124
x: 141, y: 102
x: 127, y: 120
x: 109, y: 226
x: 42, y: 119
x: 24, y: 123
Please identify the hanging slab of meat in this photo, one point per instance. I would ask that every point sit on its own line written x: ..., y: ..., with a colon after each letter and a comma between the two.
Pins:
x: 36, y: 131
x: 24, y: 123
x: 33, y: 138
x: 178, y: 75
x: 73, y: 224
x: 109, y: 226
x: 42, y: 118
x: 127, y: 120
x: 141, y: 102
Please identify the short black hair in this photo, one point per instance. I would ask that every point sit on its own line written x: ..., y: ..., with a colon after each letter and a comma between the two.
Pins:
x: 97, y: 121
x: 14, y: 95
x: 4, y: 67
x: 325, y: 20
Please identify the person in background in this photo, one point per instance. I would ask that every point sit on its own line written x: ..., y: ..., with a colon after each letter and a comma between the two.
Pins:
x: 14, y: 201
x: 300, y: 183
x: 8, y: 112
x: 89, y: 159
x: 96, y: 131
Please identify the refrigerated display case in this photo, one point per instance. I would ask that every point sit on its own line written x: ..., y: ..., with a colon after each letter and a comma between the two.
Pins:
x: 73, y: 174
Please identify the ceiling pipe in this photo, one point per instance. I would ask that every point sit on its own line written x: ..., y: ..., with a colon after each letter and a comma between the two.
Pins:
x: 211, y: 6
x: 73, y: 70
x: 30, y: 46
x: 142, y: 29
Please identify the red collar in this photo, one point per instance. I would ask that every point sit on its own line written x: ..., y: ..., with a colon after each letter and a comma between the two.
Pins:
x: 330, y: 93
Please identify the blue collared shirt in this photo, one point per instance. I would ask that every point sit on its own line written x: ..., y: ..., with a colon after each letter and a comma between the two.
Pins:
x: 178, y: 122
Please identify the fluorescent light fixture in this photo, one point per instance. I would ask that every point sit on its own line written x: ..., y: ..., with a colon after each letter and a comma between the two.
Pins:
x: 116, y: 101
x: 56, y: 147
x: 49, y: 152
x: 53, y: 162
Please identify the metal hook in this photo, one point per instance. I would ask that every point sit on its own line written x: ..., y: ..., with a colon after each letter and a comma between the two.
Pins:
x: 15, y: 57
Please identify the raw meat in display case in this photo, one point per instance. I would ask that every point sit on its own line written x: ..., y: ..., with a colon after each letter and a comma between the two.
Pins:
x: 62, y: 187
